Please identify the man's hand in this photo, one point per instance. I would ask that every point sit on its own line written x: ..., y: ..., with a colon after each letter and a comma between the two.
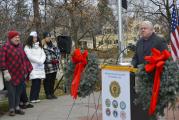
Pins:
x: 7, y: 75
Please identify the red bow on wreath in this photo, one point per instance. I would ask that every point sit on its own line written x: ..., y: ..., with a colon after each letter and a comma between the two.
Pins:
x: 80, y: 60
x: 156, y: 61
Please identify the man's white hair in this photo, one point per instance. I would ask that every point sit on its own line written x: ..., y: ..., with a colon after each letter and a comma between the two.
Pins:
x: 148, y: 23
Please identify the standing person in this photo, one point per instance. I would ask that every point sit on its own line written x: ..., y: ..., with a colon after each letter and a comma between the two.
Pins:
x: 147, y: 41
x: 51, y: 65
x: 24, y: 101
x: 16, y: 68
x: 37, y: 57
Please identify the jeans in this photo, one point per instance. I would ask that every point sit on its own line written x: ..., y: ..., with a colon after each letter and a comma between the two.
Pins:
x: 23, y: 96
x: 49, y: 83
x: 35, y: 89
x: 14, y: 93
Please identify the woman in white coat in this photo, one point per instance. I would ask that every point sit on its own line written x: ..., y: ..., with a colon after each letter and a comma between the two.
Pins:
x: 37, y: 57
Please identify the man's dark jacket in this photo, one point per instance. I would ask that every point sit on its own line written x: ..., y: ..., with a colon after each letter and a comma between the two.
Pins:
x: 143, y: 49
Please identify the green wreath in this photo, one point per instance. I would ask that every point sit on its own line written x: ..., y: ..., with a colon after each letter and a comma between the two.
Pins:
x: 169, y: 88
x: 89, y: 77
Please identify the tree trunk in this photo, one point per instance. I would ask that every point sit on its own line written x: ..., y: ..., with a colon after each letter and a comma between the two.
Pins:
x: 37, y: 20
x: 45, y: 17
x: 94, y: 40
x: 74, y: 29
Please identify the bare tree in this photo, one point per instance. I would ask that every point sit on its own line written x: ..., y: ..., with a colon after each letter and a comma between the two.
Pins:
x: 6, y: 18
x: 37, y: 19
x: 158, y: 11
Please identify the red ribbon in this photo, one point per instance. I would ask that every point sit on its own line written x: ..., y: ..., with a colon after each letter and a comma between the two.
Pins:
x: 80, y: 60
x: 156, y: 61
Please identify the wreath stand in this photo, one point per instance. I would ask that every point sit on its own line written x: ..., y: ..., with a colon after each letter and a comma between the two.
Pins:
x: 96, y: 107
x: 91, y: 98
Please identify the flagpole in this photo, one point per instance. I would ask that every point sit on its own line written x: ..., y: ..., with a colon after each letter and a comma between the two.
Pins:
x: 120, y: 42
x: 175, y: 3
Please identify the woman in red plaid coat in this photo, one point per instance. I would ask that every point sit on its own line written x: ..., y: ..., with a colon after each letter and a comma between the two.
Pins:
x: 16, y: 67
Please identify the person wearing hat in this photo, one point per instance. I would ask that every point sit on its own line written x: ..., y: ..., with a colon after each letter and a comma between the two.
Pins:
x: 16, y: 68
x: 36, y: 55
x: 51, y: 65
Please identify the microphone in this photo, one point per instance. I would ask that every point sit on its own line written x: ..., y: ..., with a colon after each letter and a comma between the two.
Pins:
x: 129, y: 47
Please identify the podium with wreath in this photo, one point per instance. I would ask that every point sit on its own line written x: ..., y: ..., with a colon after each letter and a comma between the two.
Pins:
x: 123, y: 96
x: 155, y: 88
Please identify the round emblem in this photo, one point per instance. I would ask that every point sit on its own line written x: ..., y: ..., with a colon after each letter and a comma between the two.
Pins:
x: 115, y: 113
x: 123, y: 115
x: 115, y: 89
x: 115, y: 103
x: 108, y: 112
x: 108, y: 102
x: 122, y: 105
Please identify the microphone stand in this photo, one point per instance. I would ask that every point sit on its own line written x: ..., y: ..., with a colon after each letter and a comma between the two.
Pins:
x: 130, y: 47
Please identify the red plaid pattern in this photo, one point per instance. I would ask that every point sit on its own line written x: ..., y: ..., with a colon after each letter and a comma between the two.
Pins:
x: 14, y: 59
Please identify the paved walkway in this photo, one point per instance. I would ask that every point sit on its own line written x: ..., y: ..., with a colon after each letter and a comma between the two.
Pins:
x: 59, y: 109
x: 83, y: 109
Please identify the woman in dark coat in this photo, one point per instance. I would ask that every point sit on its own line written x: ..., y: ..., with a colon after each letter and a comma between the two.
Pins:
x: 51, y: 65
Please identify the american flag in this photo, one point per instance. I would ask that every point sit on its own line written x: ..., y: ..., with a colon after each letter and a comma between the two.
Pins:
x: 174, y: 35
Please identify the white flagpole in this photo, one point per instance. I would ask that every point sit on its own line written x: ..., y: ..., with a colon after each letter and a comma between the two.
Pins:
x: 120, y: 41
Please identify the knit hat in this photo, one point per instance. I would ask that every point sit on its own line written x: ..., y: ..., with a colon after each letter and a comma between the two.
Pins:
x: 33, y: 33
x: 46, y: 34
x: 12, y: 34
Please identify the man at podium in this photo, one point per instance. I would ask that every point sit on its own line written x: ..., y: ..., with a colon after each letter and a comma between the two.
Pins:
x: 148, y: 40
